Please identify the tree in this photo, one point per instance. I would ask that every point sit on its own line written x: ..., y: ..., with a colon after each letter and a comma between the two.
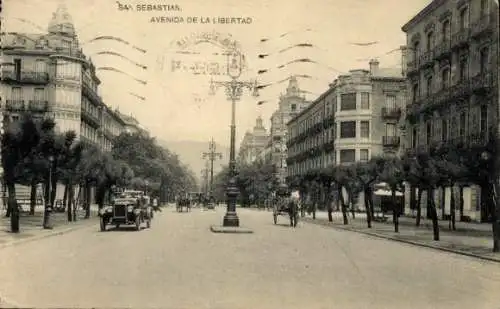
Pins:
x: 393, y: 174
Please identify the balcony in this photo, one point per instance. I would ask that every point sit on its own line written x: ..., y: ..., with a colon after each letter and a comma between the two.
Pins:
x: 391, y: 112
x: 91, y: 119
x: 484, y: 25
x: 482, y: 82
x: 442, y: 50
x: 427, y: 59
x: 90, y: 93
x: 71, y: 52
x: 390, y: 141
x: 412, y: 67
x: 15, y: 105
x: 25, y: 76
x: 38, y: 105
x: 460, y: 90
x: 460, y: 38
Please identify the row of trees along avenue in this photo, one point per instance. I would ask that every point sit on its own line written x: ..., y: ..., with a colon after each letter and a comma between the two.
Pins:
x: 34, y: 153
x: 451, y: 166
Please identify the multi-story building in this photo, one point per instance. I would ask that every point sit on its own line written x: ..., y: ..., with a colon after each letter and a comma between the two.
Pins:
x: 253, y: 142
x: 47, y: 75
x: 357, y: 118
x: 290, y: 104
x: 452, y: 80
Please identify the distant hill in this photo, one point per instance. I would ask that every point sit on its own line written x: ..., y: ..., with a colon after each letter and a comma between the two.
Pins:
x: 190, y: 153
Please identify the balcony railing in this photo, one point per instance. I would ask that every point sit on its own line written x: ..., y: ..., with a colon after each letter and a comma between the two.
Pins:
x: 460, y: 38
x: 25, y: 76
x: 391, y: 112
x: 412, y: 66
x: 90, y: 93
x: 390, y: 141
x: 482, y: 82
x: 426, y: 58
x: 484, y: 24
x: 90, y: 118
x: 442, y: 50
x: 15, y: 105
x: 38, y: 105
x: 72, y: 52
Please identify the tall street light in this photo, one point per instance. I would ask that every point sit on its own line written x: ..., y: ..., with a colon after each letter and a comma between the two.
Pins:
x: 212, y: 155
x: 234, y: 90
x: 47, y: 223
x: 496, y: 213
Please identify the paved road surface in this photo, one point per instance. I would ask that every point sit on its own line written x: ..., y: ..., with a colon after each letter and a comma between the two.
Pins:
x: 179, y: 263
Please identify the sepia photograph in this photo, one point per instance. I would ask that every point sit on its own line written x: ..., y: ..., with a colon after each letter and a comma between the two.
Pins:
x: 312, y: 154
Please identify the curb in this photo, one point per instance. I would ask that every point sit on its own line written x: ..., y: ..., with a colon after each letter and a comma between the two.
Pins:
x: 50, y: 234
x: 411, y: 242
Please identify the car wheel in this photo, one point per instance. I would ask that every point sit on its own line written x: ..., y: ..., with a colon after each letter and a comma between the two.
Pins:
x: 103, y: 224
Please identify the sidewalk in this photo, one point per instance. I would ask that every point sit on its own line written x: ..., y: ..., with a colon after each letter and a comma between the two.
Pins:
x: 471, y: 239
x: 31, y: 226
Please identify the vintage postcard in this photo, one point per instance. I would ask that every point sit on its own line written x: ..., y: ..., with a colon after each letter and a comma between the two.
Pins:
x: 250, y: 154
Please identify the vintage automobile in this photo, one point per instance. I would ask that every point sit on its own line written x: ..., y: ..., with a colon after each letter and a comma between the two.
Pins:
x: 125, y: 210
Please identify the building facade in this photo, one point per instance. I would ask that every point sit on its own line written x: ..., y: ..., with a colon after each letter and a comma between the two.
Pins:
x: 451, y: 68
x: 357, y: 118
x: 47, y: 75
x: 290, y: 104
x: 253, y: 143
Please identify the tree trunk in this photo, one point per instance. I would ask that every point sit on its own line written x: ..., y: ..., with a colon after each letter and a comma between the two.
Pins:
x: 100, y: 196
x: 14, y: 209
x: 329, y: 206
x: 395, y: 211
x: 434, y: 217
x: 368, y: 207
x: 461, y: 201
x: 419, y: 207
x: 65, y: 196
x: 351, y: 204
x: 33, y: 197
x: 88, y: 191
x: 370, y: 201
x: 68, y: 189
x: 452, y: 208
x: 53, y: 191
x: 343, y: 206
x: 47, y: 208
x: 443, y: 202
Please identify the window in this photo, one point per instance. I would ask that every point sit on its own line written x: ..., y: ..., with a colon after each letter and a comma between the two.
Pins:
x: 463, y: 19
x: 17, y: 68
x: 429, y: 85
x: 445, y: 31
x: 293, y: 107
x: 15, y: 118
x: 39, y: 94
x: 430, y: 41
x: 365, y: 100
x: 416, y: 50
x: 40, y: 66
x: 444, y: 130
x: 484, y: 119
x: 17, y: 93
x: 390, y: 102
x: 463, y: 69
x: 364, y: 155
x: 390, y: 129
x: 347, y: 155
x: 445, y: 78
x: 462, y: 124
x: 484, y: 7
x: 348, y: 129
x: 414, y: 138
x: 429, y: 133
x: 348, y: 102
x: 415, y: 93
x: 483, y: 60
x: 364, y: 128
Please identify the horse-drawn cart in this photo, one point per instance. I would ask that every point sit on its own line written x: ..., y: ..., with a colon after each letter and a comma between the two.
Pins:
x: 286, y: 207
x: 183, y: 202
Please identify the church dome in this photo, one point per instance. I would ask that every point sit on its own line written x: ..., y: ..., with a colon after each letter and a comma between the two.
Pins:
x: 61, y: 22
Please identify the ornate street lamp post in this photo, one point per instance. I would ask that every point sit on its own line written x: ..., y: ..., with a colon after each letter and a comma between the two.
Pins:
x: 47, y: 223
x: 234, y: 90
x: 212, y: 155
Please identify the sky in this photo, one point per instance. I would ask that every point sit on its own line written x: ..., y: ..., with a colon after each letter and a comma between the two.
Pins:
x: 177, y: 103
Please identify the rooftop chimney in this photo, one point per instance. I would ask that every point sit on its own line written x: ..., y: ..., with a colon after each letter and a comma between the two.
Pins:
x: 374, y: 66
